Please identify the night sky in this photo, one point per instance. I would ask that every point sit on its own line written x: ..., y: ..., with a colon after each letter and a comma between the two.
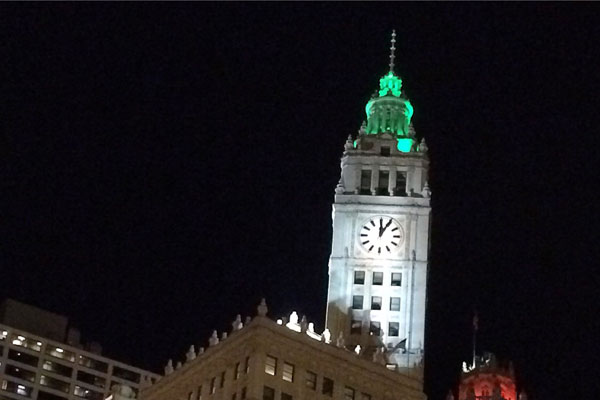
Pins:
x: 164, y: 166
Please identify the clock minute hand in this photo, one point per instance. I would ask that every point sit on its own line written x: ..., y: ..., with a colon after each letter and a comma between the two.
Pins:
x: 381, y: 230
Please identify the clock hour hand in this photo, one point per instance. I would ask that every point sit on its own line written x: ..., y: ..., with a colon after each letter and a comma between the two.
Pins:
x: 381, y: 230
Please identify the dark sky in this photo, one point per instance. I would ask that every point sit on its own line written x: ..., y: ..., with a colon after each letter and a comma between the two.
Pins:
x: 163, y: 166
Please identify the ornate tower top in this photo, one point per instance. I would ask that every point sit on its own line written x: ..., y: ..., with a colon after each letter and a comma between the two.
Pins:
x: 392, y: 50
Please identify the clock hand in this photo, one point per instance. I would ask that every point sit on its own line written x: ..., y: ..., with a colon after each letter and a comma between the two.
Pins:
x: 381, y: 230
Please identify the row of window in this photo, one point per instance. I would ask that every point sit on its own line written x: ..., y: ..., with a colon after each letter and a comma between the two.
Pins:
x: 66, y: 355
x: 310, y: 382
x: 396, y: 278
x: 376, y: 303
x: 382, y: 188
x: 212, y: 388
x: 356, y: 328
x: 51, y: 383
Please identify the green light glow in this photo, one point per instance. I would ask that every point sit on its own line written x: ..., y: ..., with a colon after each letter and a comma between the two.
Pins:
x: 354, y: 143
x: 405, y: 144
x: 390, y: 82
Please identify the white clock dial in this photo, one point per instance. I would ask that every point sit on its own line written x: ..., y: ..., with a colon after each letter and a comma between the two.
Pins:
x: 381, y: 235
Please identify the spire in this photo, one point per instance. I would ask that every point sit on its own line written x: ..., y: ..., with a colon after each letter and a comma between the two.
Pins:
x: 392, y: 51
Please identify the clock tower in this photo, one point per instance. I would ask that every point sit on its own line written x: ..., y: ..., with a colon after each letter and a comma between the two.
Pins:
x: 381, y: 234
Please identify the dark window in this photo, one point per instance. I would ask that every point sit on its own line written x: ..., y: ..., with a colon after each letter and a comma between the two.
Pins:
x: 356, y: 327
x: 285, y: 396
x: 288, y: 372
x: 384, y: 179
x: 385, y: 151
x: 190, y: 395
x: 375, y: 303
x: 126, y: 374
x: 365, y: 181
x: 213, y: 387
x: 311, y: 380
x: 20, y: 373
x: 243, y: 396
x: 327, y: 387
x: 375, y: 328
x: 359, y: 277
x: 234, y: 396
x: 93, y: 364
x: 378, y: 278
x: 49, y: 396
x: 91, y: 379
x: 400, y: 183
x: 396, y: 279
x: 222, y: 382
x: 87, y: 394
x: 394, y: 329
x: 57, y: 368
x: 236, y: 372
x: 23, y: 357
x: 271, y: 365
x: 247, y: 365
x: 348, y: 393
x: 199, y: 393
x: 357, y: 302
x: 268, y: 393
x: 395, y: 304
x: 364, y: 396
x: 55, y: 384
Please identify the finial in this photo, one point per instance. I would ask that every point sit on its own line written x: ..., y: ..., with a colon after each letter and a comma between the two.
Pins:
x: 262, y: 308
x: 169, y: 367
x: 392, y: 51
x: 237, y: 323
x: 179, y: 365
x: 327, y: 336
x: 213, y: 340
x: 191, y: 354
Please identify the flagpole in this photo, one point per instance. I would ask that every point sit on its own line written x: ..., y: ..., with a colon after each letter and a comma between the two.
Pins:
x: 475, y: 328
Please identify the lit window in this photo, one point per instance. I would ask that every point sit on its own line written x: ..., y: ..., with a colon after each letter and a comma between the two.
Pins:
x: 394, y: 329
x: 285, y: 396
x: 348, y: 393
x: 19, y: 340
x: 288, y: 372
x: 268, y: 393
x: 375, y: 328
x: 378, y: 278
x: 86, y: 393
x: 236, y: 372
x: 3, y: 335
x: 356, y: 327
x: 311, y: 380
x: 60, y: 353
x: 395, y: 304
x: 375, y: 303
x: 271, y: 365
x: 357, y: 302
x: 327, y: 387
x: 396, y: 279
x: 359, y: 277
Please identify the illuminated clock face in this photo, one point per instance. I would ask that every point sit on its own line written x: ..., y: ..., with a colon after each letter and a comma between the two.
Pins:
x: 381, y: 235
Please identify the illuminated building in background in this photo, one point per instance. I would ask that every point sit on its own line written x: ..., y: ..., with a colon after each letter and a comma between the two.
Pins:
x: 41, y: 359
x: 381, y: 233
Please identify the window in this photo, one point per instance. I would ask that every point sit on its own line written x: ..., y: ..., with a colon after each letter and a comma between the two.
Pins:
x: 268, y: 393
x: 396, y: 279
x: 55, y: 384
x: 20, y: 373
x: 222, y: 381
x: 359, y: 277
x: 400, y: 183
x: 236, y: 372
x: 365, y: 181
x: 357, y: 302
x: 364, y: 396
x: 285, y: 396
x: 375, y: 303
x: 126, y: 374
x: 356, y: 327
x: 348, y: 393
x: 311, y: 380
x: 61, y: 353
x: 27, y: 343
x: 91, y: 379
x: 394, y: 329
x: 385, y: 151
x: 190, y: 395
x: 395, y: 304
x: 234, y: 396
x: 288, y: 372
x: 247, y: 365
x: 327, y: 387
x: 213, y: 387
x: 384, y: 179
x: 57, y: 368
x: 375, y: 328
x: 271, y: 366
x: 378, y: 278
x: 199, y: 393
x: 86, y: 393
x: 23, y: 357
x: 16, y: 388
x: 243, y: 396
x: 93, y: 364
x: 48, y: 396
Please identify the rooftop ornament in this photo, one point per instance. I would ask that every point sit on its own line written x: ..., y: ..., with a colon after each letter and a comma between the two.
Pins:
x: 213, y: 340
x: 262, y: 308
x: 191, y: 354
x: 169, y: 367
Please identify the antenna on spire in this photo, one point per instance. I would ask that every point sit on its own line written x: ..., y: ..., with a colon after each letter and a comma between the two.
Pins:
x: 392, y: 50
x: 475, y: 329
